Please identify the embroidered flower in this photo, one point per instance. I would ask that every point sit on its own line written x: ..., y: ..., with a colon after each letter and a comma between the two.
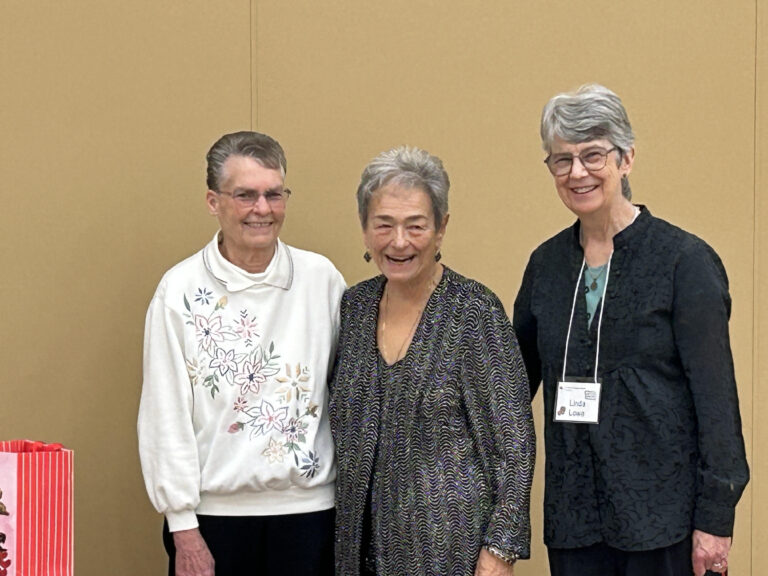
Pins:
x: 209, y: 331
x: 240, y: 404
x: 265, y: 418
x: 235, y: 428
x: 295, y: 431
x: 294, y: 384
x: 312, y: 410
x: 192, y: 370
x: 221, y: 303
x: 203, y: 295
x: 245, y: 327
x: 224, y: 361
x: 310, y: 464
x: 250, y: 378
x: 275, y: 451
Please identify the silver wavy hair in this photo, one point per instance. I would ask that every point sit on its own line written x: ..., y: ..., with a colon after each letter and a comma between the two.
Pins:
x: 262, y: 148
x: 408, y: 167
x: 590, y: 113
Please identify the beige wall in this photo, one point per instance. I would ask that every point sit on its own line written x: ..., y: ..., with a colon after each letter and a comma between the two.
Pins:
x: 758, y: 402
x: 107, y: 109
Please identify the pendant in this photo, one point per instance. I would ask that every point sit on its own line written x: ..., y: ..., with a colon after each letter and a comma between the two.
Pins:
x: 593, y: 286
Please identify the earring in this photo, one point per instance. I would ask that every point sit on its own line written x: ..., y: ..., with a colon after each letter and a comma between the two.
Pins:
x: 367, y: 256
x: 438, y: 256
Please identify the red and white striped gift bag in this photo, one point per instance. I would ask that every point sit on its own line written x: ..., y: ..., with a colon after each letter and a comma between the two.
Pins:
x: 36, y: 509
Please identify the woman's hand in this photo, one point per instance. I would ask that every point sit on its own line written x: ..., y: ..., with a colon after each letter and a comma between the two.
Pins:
x: 489, y: 565
x: 710, y: 553
x: 192, y: 555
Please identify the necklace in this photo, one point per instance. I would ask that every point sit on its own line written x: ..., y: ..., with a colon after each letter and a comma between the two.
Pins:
x: 408, y: 336
x: 593, y: 284
x: 412, y: 331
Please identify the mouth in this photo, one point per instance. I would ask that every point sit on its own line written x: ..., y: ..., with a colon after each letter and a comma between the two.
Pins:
x: 257, y: 225
x: 583, y: 189
x: 400, y: 260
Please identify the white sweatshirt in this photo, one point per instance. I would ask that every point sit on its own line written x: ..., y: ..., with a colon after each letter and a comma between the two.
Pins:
x: 233, y: 415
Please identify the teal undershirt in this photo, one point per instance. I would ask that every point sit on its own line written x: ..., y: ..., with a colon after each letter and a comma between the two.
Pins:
x: 593, y: 296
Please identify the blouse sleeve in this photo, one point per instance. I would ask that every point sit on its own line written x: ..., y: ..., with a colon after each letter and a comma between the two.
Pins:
x: 498, y: 402
x: 526, y: 329
x: 701, y: 309
x: 336, y: 291
x: 167, y: 446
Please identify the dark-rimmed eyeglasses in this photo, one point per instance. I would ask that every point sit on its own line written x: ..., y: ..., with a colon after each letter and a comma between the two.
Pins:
x: 249, y: 198
x: 593, y: 160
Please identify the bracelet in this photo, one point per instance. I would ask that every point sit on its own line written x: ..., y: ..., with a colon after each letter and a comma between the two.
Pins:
x: 508, y: 558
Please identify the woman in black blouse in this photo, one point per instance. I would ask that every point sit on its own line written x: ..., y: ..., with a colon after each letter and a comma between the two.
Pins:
x: 430, y: 404
x: 624, y: 318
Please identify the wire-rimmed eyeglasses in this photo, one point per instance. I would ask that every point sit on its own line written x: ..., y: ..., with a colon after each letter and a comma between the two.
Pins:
x: 249, y: 198
x: 593, y: 159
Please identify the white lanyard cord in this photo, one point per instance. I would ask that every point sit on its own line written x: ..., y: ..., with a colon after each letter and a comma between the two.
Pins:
x: 573, y: 310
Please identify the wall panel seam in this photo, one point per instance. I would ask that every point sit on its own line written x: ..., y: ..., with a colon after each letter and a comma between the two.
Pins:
x: 756, y: 311
x: 253, y: 59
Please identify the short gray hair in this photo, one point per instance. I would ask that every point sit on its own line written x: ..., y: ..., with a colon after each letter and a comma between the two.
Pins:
x: 262, y: 148
x: 408, y: 167
x: 590, y: 113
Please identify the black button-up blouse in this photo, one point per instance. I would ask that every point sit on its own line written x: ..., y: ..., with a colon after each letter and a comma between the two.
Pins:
x: 667, y: 455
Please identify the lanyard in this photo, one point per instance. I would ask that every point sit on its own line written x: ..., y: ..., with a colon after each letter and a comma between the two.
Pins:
x: 579, y: 282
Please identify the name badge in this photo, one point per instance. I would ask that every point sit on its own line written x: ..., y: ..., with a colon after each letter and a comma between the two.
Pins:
x: 578, y: 400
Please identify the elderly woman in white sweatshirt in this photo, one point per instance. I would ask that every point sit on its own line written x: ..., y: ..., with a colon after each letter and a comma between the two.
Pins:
x: 234, y: 438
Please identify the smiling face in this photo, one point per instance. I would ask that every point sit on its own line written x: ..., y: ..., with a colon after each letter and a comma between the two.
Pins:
x: 590, y: 192
x: 400, y: 234
x: 247, y: 231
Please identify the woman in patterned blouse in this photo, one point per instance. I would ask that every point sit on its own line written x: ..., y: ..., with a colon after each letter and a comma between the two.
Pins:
x: 429, y: 400
x: 624, y: 318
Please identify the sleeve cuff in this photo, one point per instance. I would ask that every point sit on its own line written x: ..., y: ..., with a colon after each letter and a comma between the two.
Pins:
x: 509, y: 551
x: 506, y: 558
x: 714, y: 519
x: 184, y: 520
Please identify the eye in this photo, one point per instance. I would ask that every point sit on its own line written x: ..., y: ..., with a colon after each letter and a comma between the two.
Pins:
x: 273, y: 196
x: 593, y: 156
x: 243, y: 196
x: 562, y: 161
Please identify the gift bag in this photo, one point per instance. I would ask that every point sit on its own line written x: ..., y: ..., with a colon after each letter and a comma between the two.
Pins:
x: 36, y: 509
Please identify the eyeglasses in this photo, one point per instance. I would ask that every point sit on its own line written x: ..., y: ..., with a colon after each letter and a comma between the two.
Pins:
x: 593, y: 159
x: 249, y: 198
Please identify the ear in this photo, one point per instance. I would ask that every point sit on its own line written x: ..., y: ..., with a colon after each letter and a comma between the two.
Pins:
x: 627, y: 161
x: 441, y: 231
x: 212, y: 201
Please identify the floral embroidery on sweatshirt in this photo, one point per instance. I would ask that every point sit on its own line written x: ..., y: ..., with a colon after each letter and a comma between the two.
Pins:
x: 271, y: 400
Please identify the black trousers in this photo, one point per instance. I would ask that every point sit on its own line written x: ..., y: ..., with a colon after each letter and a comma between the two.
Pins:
x: 300, y: 544
x: 602, y: 560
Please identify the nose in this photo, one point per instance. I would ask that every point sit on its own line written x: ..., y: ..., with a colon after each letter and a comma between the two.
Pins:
x: 400, y: 239
x: 577, y: 168
x: 261, y: 206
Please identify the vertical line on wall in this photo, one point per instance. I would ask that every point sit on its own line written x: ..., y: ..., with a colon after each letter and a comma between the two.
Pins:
x: 253, y: 8
x: 756, y: 312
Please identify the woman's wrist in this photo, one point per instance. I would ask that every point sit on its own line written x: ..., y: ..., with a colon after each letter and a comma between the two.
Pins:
x: 496, y: 553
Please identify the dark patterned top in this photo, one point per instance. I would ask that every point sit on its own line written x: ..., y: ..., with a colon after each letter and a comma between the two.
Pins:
x: 667, y: 456
x: 452, y: 438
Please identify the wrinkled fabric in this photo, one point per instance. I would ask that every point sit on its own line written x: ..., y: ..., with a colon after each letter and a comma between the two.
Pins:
x: 667, y: 455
